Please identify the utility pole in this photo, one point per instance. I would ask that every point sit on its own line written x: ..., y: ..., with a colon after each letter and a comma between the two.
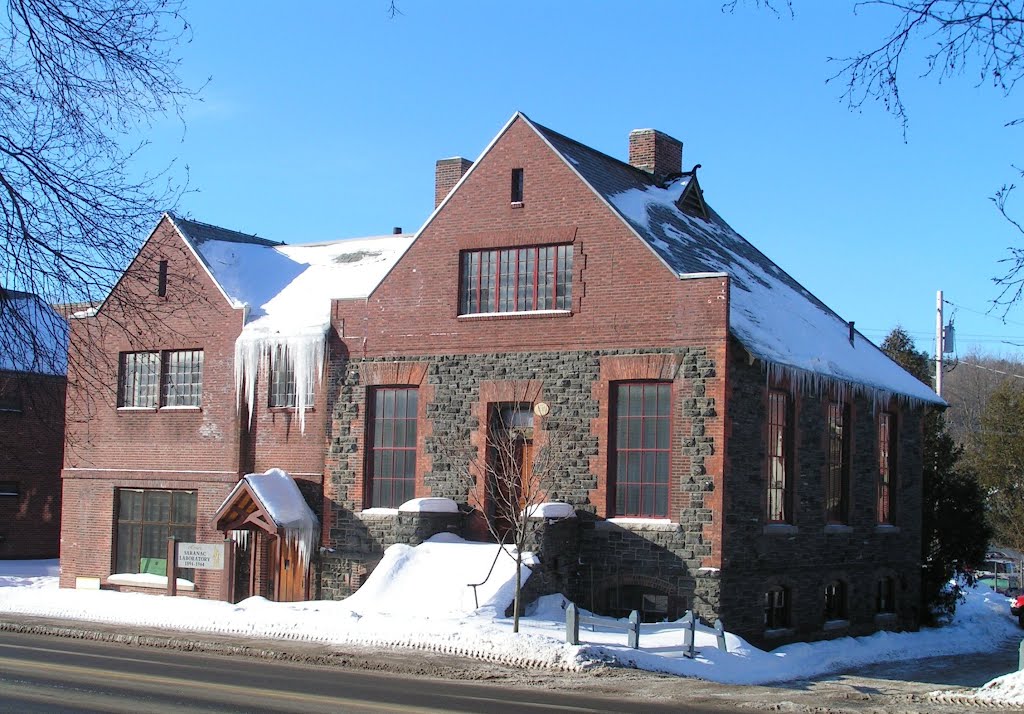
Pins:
x: 938, y: 343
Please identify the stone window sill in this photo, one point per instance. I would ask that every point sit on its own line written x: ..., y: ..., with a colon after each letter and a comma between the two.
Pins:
x: 831, y: 625
x: 378, y: 513
x: 780, y: 529
x: 886, y: 528
x: 517, y: 204
x: 779, y: 632
x: 638, y: 524
x: 839, y: 528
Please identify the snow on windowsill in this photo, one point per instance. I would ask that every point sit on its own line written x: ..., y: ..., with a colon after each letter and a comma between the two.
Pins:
x: 428, y: 505
x: 378, y: 512
x: 835, y: 625
x: 651, y: 524
x: 181, y: 408
x: 886, y: 618
x: 136, y: 409
x: 147, y: 580
x: 886, y: 528
x: 517, y: 313
x: 779, y: 632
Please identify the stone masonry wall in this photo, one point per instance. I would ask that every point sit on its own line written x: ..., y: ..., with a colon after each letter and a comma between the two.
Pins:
x: 665, y: 556
x: 806, y: 554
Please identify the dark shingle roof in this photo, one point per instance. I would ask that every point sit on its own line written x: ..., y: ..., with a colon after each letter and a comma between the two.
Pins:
x: 198, y: 232
x: 772, y: 315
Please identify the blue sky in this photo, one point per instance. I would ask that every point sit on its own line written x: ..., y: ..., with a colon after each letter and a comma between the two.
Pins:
x: 326, y: 122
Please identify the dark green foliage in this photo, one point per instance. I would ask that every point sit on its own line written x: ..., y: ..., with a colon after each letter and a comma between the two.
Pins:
x: 1001, y: 461
x: 954, y: 532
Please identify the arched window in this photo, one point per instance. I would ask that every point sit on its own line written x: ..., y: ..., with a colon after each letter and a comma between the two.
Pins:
x: 835, y: 600
x: 776, y: 608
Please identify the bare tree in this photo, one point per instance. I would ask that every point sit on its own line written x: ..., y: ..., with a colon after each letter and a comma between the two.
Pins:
x: 508, y: 481
x: 77, y: 81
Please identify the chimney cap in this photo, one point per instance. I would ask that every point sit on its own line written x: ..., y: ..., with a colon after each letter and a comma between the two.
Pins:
x: 397, y: 230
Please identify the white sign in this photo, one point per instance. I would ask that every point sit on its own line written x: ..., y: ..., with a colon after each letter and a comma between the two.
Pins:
x: 204, y: 556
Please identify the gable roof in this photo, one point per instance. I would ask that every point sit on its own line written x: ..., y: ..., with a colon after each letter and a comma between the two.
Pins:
x: 34, y: 335
x: 776, y: 319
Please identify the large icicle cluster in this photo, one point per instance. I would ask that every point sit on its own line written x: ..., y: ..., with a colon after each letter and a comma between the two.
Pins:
x: 304, y: 351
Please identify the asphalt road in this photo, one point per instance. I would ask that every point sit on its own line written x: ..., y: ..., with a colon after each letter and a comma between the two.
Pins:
x: 41, y: 673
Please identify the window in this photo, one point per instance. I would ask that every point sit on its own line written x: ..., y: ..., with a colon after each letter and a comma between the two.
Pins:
x: 641, y: 422
x: 392, y: 459
x: 10, y: 393
x: 779, y: 458
x: 161, y: 283
x: 886, y: 465
x: 885, y: 601
x: 517, y: 185
x: 172, y: 378
x: 140, y: 372
x: 10, y: 489
x: 182, y: 378
x: 835, y: 601
x: 516, y: 280
x: 776, y: 608
x: 283, y: 391
x: 145, y: 520
x: 837, y: 476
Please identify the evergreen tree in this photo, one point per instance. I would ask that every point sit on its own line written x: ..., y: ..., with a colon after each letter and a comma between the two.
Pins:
x: 954, y: 531
x: 1001, y: 462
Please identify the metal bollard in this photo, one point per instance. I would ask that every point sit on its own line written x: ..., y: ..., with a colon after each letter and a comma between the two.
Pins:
x: 720, y: 634
x: 572, y: 624
x: 634, y: 630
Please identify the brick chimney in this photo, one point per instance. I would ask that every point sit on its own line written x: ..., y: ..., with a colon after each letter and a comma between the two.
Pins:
x: 446, y: 174
x: 655, y: 152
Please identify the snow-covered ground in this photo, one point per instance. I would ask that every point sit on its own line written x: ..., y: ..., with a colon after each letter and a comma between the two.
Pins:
x: 419, y: 598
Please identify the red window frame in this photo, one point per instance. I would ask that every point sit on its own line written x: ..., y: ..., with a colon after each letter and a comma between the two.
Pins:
x: 837, y: 474
x: 392, y: 438
x: 779, y: 459
x: 522, y: 279
x: 886, y: 465
x: 641, y: 449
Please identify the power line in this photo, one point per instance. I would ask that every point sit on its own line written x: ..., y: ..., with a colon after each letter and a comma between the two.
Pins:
x: 983, y: 314
x: 991, y: 369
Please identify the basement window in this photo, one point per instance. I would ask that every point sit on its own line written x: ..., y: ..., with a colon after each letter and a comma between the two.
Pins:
x: 9, y: 489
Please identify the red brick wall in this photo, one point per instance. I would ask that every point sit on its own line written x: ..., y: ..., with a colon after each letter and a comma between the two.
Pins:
x: 206, y: 449
x: 31, y: 450
x: 623, y: 295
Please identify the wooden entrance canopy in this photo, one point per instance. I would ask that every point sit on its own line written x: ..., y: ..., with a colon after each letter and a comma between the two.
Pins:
x: 270, y: 505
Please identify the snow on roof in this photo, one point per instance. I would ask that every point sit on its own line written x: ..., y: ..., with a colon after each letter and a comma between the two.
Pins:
x: 35, y: 336
x: 774, y: 317
x: 288, y: 288
x: 282, y: 499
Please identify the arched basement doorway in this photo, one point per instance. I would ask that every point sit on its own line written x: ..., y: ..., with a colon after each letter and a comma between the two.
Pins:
x: 281, y: 533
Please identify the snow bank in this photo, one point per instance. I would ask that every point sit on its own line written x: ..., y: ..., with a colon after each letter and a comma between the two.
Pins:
x: 418, y: 598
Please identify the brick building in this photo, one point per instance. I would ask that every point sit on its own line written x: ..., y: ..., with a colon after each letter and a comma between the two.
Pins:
x: 733, y: 445
x: 163, y: 422
x: 727, y: 442
x: 33, y: 362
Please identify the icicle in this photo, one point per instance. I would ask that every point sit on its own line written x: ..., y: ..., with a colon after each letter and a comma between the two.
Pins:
x: 305, y: 352
x: 813, y: 383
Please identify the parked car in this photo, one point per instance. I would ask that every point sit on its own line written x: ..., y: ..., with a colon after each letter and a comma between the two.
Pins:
x: 1017, y: 609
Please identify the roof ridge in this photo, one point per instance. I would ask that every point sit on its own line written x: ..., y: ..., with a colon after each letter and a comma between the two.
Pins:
x: 625, y: 164
x: 231, y: 235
